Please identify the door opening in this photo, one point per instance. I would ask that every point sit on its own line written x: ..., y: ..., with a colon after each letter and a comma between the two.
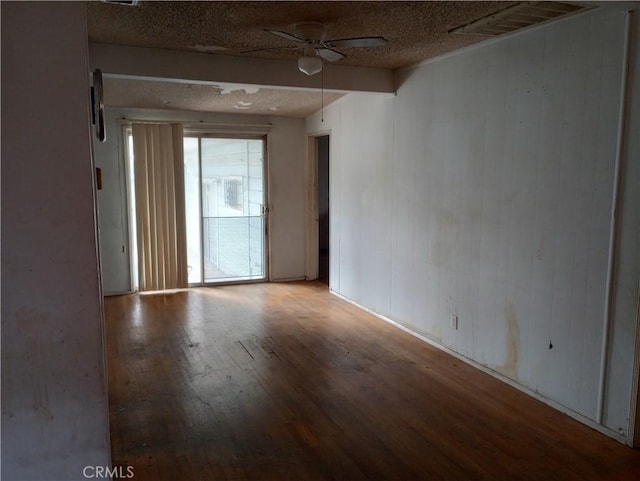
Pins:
x: 322, y: 149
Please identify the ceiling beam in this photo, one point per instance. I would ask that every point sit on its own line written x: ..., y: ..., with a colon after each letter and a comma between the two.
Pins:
x: 174, y: 65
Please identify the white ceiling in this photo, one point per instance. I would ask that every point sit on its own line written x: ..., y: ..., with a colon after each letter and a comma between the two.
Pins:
x: 218, y: 97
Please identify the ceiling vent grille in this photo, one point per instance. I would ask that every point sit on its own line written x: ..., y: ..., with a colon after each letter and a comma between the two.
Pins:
x: 518, y: 17
x: 130, y: 3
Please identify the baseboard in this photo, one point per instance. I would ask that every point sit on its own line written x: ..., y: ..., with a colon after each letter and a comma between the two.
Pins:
x: 123, y: 293
x: 549, y: 402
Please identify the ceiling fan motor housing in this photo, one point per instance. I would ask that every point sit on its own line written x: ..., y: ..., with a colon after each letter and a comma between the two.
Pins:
x: 311, y: 31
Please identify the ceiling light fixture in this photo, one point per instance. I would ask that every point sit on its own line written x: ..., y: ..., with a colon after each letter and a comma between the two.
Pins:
x: 310, y: 63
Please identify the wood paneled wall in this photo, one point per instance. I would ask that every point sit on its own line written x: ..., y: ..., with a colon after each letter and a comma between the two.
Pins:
x: 484, y: 190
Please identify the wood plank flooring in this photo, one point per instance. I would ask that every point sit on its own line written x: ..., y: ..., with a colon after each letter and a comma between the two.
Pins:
x: 287, y: 382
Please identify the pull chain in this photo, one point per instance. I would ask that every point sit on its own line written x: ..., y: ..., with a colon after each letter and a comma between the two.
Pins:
x: 322, y: 96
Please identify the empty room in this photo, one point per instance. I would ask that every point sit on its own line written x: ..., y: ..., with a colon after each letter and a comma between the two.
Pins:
x: 320, y: 240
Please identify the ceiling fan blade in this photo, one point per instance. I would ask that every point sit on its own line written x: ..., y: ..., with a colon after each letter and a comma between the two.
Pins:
x: 330, y: 55
x: 357, y: 42
x: 286, y: 36
x: 256, y: 50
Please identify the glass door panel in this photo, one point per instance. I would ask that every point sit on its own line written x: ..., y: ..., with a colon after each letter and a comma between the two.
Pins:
x: 232, y: 189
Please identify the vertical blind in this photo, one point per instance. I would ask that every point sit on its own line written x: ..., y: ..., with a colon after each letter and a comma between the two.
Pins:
x: 160, y: 206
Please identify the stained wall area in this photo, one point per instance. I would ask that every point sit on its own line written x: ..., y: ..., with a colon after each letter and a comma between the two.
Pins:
x: 484, y: 190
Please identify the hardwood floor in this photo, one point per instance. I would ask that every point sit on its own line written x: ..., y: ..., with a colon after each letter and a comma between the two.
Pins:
x: 287, y: 382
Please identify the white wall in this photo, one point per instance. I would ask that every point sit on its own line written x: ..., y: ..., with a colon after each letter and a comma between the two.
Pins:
x: 484, y: 190
x: 112, y: 209
x: 54, y: 400
x: 286, y: 174
x: 287, y: 191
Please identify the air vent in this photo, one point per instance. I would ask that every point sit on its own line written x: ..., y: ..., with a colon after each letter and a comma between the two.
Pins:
x: 518, y: 17
x: 130, y: 3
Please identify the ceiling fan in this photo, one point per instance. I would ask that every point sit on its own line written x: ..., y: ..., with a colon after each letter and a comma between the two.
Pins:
x: 311, y: 38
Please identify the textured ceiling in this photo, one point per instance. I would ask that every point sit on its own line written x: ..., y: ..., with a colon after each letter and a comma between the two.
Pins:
x: 227, y: 98
x: 415, y: 30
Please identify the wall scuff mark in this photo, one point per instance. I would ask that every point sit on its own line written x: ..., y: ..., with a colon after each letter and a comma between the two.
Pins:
x: 510, y: 366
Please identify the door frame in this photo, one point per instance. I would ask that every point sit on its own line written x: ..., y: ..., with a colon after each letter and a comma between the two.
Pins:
x: 312, y: 223
x: 264, y: 138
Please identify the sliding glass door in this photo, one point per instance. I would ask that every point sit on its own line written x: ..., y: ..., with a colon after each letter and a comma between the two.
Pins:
x: 225, y: 197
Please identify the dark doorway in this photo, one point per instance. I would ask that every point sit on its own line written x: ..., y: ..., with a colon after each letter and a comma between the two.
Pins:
x: 322, y: 148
